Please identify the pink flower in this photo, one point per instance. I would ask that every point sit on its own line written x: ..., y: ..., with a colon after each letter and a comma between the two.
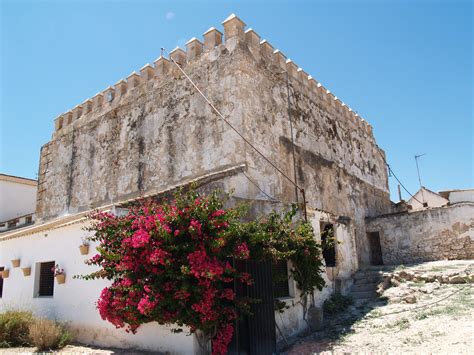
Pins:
x: 242, y: 251
x: 145, y: 306
x: 159, y: 256
x: 218, y: 213
x: 140, y: 239
x: 195, y: 226
x: 227, y: 294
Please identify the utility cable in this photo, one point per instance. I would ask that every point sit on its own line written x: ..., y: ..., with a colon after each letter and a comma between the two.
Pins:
x: 233, y: 128
x: 395, y: 176
x: 259, y: 188
x: 220, y: 115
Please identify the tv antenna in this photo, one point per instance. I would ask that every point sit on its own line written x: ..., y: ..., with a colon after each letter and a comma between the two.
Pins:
x: 419, y: 176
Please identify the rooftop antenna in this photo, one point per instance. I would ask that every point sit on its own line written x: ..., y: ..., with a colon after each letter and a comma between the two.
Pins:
x: 419, y: 176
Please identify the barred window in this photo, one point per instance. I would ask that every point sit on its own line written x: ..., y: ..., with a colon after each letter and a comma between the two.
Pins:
x: 281, y: 287
x: 46, y: 279
x: 1, y: 282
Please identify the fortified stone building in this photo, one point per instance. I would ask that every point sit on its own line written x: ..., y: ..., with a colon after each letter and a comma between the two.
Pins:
x: 153, y: 131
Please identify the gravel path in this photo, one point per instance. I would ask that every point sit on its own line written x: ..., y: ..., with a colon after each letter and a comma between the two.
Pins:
x: 395, y: 326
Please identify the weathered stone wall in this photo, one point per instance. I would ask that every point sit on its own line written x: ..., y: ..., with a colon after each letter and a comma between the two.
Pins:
x: 432, y: 234
x: 338, y: 162
x: 157, y: 131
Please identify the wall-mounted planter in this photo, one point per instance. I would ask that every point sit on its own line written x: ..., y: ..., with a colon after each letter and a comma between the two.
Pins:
x: 84, y: 249
x: 26, y: 271
x: 5, y: 273
x: 61, y: 278
x: 16, y: 262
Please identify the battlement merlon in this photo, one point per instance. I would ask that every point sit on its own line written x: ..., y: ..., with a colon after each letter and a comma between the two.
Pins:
x: 234, y: 28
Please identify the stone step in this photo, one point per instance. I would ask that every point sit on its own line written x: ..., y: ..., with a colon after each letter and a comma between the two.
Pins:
x: 364, y: 274
x: 356, y: 295
x: 368, y: 280
x: 364, y: 287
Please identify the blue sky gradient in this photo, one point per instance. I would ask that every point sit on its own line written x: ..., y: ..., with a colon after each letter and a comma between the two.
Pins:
x: 406, y: 66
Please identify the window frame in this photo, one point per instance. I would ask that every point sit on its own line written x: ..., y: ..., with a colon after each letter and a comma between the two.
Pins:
x: 38, y: 279
x: 289, y: 282
x: 322, y: 228
x: 1, y: 282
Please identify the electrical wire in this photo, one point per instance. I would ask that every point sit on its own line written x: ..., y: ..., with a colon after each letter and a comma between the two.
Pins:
x: 259, y: 188
x: 220, y: 115
x: 396, y: 178
x: 234, y: 129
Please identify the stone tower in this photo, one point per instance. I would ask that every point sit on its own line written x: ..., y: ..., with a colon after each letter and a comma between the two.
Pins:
x: 153, y: 131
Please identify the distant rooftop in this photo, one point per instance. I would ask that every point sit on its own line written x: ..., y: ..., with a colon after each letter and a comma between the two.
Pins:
x: 18, y: 179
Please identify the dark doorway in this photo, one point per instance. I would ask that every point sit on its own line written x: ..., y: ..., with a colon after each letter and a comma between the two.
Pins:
x: 256, y: 334
x: 328, y: 243
x: 1, y: 282
x: 375, y: 248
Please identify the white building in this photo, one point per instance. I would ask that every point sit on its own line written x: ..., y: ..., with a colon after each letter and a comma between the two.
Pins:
x: 458, y: 196
x: 17, y: 201
x: 425, y: 198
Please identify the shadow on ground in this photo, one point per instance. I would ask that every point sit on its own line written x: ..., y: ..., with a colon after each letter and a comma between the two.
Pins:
x: 335, y: 327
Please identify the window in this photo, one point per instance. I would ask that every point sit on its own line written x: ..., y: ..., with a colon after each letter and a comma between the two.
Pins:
x: 13, y: 223
x: 1, y: 282
x: 45, y: 279
x: 281, y: 287
x: 28, y: 219
x: 329, y: 244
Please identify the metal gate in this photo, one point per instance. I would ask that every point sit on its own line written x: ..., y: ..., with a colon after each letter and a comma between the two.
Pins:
x: 255, y: 335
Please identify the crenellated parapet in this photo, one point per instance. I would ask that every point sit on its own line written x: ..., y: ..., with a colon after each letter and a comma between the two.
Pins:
x: 233, y: 31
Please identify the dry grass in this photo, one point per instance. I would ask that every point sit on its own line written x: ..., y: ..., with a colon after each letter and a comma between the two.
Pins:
x: 47, y: 335
x: 14, y: 328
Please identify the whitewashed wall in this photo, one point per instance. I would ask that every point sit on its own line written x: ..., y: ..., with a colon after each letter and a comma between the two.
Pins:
x: 432, y: 199
x: 291, y: 321
x: 461, y: 196
x: 16, y: 199
x: 74, y: 301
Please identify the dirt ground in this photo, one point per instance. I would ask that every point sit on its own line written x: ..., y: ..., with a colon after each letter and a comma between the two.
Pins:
x: 440, y: 321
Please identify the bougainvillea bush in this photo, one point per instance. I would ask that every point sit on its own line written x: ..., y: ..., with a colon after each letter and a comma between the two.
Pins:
x: 172, y: 262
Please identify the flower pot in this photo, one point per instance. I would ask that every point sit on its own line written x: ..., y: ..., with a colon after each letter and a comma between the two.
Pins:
x: 5, y: 273
x: 61, y: 278
x: 84, y: 249
x: 26, y: 271
x: 16, y: 262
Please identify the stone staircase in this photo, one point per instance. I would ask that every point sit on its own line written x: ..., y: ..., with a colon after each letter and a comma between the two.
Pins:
x: 365, y: 285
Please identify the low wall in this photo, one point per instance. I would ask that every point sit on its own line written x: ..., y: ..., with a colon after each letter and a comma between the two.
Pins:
x: 432, y: 234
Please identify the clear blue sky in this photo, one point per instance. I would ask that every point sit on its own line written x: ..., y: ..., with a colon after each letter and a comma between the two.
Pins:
x: 405, y: 65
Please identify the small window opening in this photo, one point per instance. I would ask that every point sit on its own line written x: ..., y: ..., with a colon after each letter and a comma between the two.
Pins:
x: 1, y: 282
x: 281, y: 286
x: 110, y: 96
x: 45, y: 277
x: 329, y: 244
x: 13, y: 223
